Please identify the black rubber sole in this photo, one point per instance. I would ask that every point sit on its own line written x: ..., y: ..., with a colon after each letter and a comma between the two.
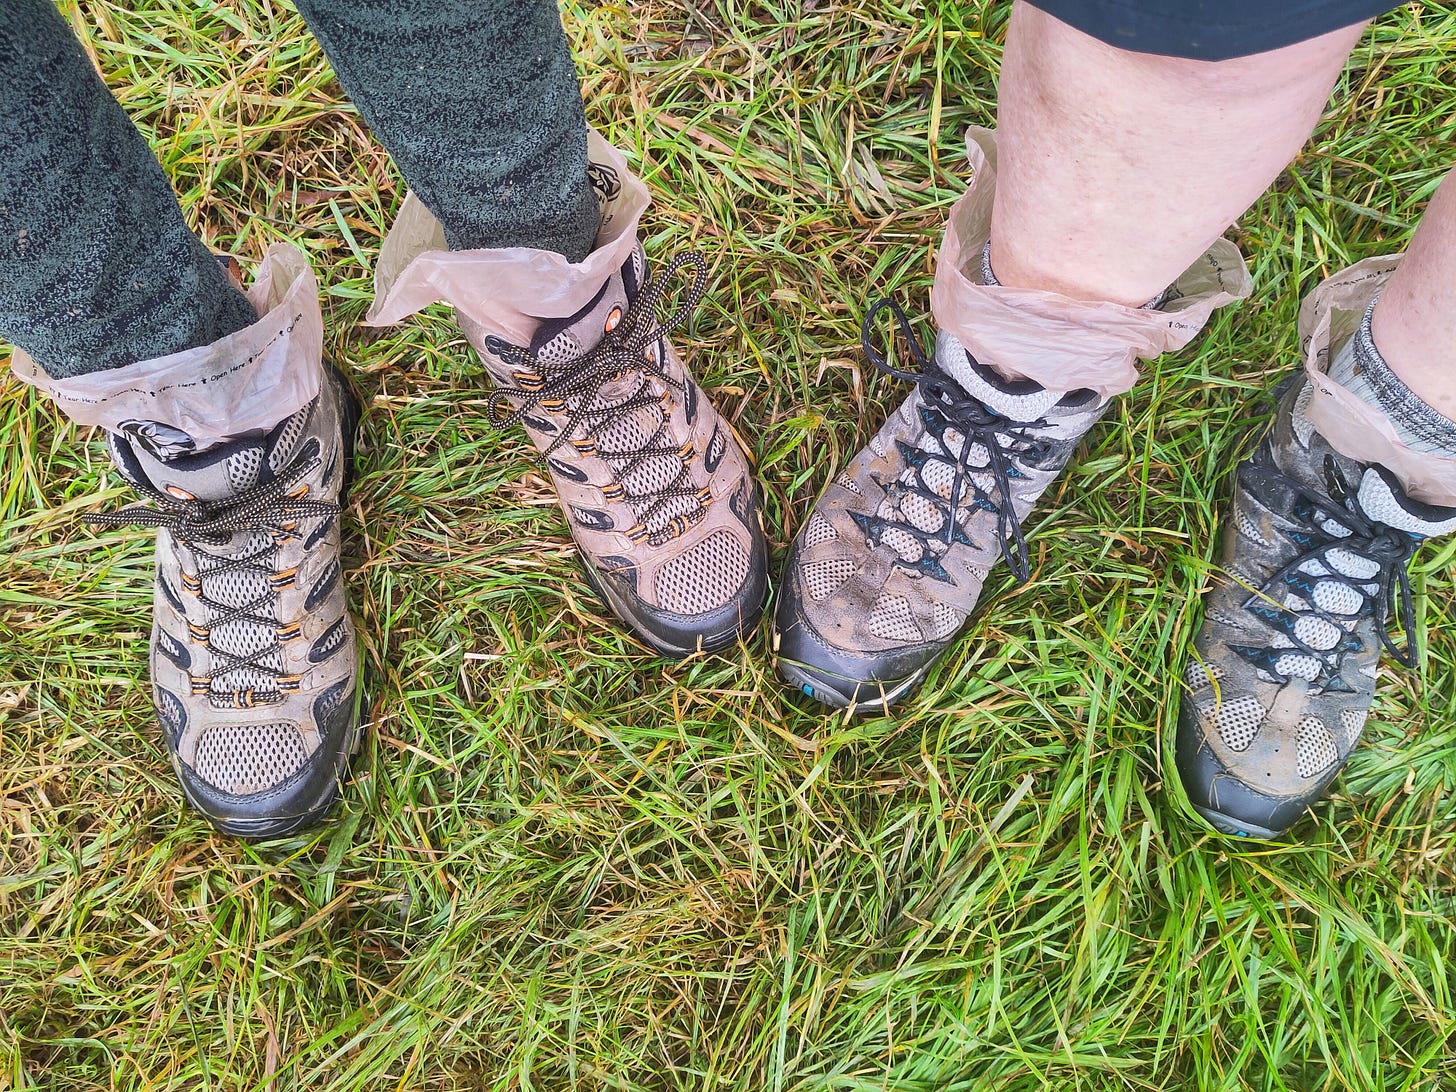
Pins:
x: 1203, y: 779
x: 815, y: 667
x: 1236, y: 828
x: 256, y: 830
x: 733, y: 622
x: 871, y: 699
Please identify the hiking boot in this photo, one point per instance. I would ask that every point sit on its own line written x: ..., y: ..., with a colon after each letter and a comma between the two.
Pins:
x: 253, y: 659
x: 890, y: 563
x: 1283, y: 668
x: 656, y: 490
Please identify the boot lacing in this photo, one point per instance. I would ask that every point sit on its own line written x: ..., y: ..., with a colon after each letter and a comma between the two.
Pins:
x: 1003, y: 439
x: 271, y: 510
x: 574, y: 389
x: 1390, y: 549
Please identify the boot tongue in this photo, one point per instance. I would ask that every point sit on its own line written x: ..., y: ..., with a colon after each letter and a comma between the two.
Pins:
x: 558, y: 342
x: 166, y: 458
x: 1016, y: 399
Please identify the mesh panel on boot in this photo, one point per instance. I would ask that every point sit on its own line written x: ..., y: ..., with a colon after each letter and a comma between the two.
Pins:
x: 1249, y: 529
x: 170, y: 710
x: 331, y: 702
x: 559, y: 351
x: 946, y: 621
x: 629, y: 431
x: 820, y: 530
x: 903, y: 543
x: 242, y: 468
x: 892, y: 619
x: 634, y: 431
x: 240, y: 637
x: 1295, y: 665
x: 170, y: 647
x: 705, y: 577
x: 1353, y: 722
x: 1317, y: 751
x: 717, y: 448
x: 244, y: 758
x: 330, y: 642
x: 940, y: 478
x: 1383, y: 507
x: 1337, y: 598
x: 288, y: 437
x: 1316, y: 632
x: 922, y: 513
x: 1199, y: 676
x: 822, y: 577
x: 1348, y: 563
x: 1238, y: 722
x: 234, y: 587
x: 676, y: 506
x: 652, y: 476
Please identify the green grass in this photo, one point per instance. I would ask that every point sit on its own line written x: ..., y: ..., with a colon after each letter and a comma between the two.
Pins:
x: 564, y: 862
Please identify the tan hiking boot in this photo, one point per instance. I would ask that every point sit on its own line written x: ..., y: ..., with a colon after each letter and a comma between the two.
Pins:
x: 255, y: 673
x: 657, y: 492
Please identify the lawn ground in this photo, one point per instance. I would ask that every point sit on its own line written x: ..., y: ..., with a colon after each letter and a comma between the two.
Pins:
x: 564, y: 862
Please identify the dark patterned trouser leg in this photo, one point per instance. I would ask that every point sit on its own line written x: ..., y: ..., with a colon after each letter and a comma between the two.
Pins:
x: 98, y: 268
x: 478, y: 103
x: 477, y: 100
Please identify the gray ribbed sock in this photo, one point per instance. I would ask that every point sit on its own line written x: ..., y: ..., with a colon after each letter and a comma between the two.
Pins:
x: 988, y: 276
x: 1361, y: 370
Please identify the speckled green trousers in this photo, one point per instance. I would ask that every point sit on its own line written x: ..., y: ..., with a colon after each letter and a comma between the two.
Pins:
x: 477, y: 100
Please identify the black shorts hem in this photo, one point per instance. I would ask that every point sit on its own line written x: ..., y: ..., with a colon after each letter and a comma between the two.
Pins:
x: 1203, y: 30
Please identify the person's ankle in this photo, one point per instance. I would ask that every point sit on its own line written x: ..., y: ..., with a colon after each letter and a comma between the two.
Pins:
x: 988, y: 277
x: 1359, y: 367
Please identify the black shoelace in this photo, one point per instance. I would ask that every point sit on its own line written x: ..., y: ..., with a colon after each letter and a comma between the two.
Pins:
x: 1002, y: 438
x: 272, y: 511
x: 1386, y: 547
x: 573, y: 390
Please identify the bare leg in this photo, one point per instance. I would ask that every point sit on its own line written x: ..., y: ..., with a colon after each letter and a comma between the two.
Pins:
x: 1414, y: 324
x: 1119, y: 169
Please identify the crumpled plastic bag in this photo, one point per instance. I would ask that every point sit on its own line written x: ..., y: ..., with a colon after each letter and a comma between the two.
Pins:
x: 511, y: 289
x: 1062, y: 343
x: 1328, y: 318
x: 241, y: 383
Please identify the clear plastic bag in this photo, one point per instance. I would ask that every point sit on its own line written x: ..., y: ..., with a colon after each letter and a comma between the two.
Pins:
x: 241, y: 383
x: 1062, y: 343
x: 507, y: 290
x: 1328, y: 318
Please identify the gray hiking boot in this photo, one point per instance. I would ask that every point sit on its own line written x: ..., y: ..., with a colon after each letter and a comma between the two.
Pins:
x: 1283, y: 668
x: 657, y: 492
x: 892, y: 559
x: 254, y: 666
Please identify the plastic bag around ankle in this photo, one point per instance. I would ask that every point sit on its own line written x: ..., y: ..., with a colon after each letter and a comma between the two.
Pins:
x: 509, y: 290
x: 1328, y: 318
x: 245, y: 382
x: 1062, y: 343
